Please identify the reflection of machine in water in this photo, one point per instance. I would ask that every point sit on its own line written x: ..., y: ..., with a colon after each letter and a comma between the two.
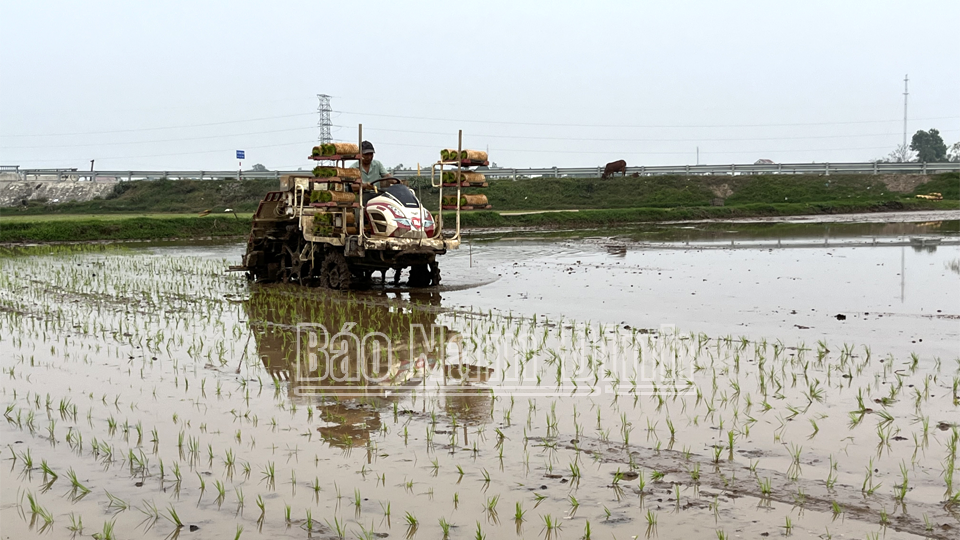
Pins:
x: 351, y: 357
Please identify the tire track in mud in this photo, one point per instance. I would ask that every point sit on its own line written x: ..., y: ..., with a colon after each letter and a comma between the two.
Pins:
x: 736, y: 480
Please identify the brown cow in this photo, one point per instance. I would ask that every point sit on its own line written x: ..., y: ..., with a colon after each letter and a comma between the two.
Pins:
x: 614, y: 167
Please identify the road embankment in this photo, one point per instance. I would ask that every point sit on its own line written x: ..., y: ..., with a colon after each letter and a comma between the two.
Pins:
x: 82, y: 228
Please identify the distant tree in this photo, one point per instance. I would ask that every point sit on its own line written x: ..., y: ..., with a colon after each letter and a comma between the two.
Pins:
x: 929, y: 146
x: 259, y: 168
x: 396, y: 167
x: 953, y: 154
x: 901, y: 154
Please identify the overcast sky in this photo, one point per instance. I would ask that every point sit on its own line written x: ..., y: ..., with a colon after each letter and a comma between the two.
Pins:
x: 181, y: 85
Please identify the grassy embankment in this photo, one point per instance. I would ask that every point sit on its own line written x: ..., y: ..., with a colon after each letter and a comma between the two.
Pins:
x: 161, y: 197
x: 599, y: 202
x: 668, y: 198
x: 141, y: 211
x: 131, y: 228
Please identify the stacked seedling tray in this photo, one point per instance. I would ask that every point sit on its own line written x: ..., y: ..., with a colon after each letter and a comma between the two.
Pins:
x: 331, y: 205
x: 463, y: 177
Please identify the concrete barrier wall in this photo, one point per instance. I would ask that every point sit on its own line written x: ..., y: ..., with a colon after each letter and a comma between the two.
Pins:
x: 14, y: 193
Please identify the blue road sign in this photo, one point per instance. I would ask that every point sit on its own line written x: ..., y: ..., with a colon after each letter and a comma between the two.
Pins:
x: 240, y: 154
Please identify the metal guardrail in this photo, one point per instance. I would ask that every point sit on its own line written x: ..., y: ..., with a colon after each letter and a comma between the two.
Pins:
x: 101, y: 175
x: 733, y: 169
x: 824, y: 169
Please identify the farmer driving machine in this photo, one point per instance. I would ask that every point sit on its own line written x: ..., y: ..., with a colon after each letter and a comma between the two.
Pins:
x: 325, y: 230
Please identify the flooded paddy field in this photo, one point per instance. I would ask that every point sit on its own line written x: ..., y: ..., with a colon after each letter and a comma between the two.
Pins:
x: 710, y: 380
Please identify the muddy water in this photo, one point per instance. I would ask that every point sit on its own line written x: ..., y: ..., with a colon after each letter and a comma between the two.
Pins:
x: 657, y: 382
x: 892, y: 282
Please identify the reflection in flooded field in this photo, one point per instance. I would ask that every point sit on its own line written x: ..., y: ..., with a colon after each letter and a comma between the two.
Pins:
x: 148, y: 394
x: 353, y: 358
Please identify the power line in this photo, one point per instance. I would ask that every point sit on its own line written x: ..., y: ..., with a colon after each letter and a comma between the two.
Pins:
x: 162, y: 128
x: 472, y: 135
x: 688, y: 152
x: 160, y: 140
x: 658, y: 139
x: 305, y: 144
x: 658, y: 126
x: 629, y: 152
x: 493, y: 122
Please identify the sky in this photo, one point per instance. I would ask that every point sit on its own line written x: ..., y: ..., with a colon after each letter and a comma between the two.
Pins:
x: 181, y: 85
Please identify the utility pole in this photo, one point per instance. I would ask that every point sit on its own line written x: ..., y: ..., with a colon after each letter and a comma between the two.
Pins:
x: 903, y: 271
x: 698, y: 155
x: 906, y: 79
x: 324, y: 122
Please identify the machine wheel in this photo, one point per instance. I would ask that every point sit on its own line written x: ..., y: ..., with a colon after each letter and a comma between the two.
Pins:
x: 304, y: 272
x: 335, y: 272
x: 424, y: 275
x: 419, y: 276
x: 288, y: 258
x: 264, y: 260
